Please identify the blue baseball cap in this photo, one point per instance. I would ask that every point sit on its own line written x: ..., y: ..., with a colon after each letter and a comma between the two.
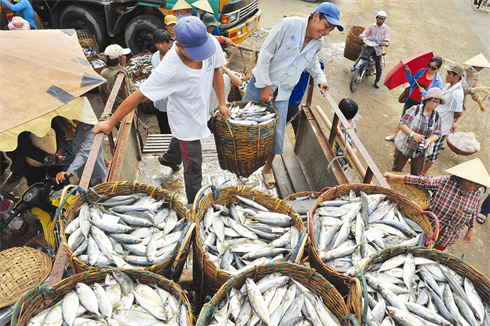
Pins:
x: 331, y: 12
x: 191, y: 33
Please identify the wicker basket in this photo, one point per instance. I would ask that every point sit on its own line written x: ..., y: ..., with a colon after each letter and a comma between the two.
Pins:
x: 243, y: 149
x: 170, y: 268
x: 39, y: 298
x: 304, y: 275
x: 87, y: 37
x: 457, y: 150
x: 480, y: 281
x: 20, y: 269
x: 96, y: 56
x: 208, y: 278
x: 38, y: 21
x: 353, y: 45
x: 38, y: 239
x: 418, y: 196
x: 235, y: 94
x: 341, y: 281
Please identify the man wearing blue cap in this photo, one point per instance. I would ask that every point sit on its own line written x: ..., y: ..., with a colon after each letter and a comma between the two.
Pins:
x: 291, y: 46
x: 184, y: 76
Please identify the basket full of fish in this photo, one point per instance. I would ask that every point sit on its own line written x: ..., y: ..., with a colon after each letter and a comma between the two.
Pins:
x: 139, y: 65
x: 240, y: 228
x: 414, y: 286
x: 276, y: 294
x: 244, y: 141
x: 352, y: 221
x: 128, y: 226
x: 108, y: 297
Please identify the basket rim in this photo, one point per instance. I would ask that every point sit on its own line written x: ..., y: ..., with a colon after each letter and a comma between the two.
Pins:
x: 457, y: 150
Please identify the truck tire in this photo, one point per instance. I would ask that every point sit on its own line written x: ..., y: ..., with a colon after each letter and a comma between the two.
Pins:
x: 81, y: 17
x: 139, y: 33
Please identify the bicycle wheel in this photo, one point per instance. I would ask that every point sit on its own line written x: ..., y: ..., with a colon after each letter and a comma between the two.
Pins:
x: 486, y: 4
x: 356, y: 79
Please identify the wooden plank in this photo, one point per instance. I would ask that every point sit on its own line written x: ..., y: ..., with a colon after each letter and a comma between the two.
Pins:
x: 58, y: 266
x: 295, y: 172
x: 283, y: 184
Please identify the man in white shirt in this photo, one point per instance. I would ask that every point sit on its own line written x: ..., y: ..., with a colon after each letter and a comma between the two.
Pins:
x: 448, y: 112
x: 291, y: 47
x: 185, y: 75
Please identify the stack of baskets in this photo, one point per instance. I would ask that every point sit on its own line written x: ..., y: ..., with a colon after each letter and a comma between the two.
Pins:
x: 353, y: 45
x: 171, y: 267
x: 345, y: 284
x: 242, y: 149
x: 208, y: 278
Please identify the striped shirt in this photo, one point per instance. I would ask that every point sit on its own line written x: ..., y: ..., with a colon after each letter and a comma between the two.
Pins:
x: 454, y: 103
x: 454, y: 207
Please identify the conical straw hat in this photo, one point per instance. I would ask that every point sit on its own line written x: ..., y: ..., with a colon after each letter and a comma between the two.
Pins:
x: 181, y: 5
x: 203, y: 5
x: 478, y: 61
x: 472, y: 170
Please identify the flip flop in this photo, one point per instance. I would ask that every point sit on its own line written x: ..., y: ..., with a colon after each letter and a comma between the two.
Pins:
x: 480, y: 218
x: 269, y: 180
x: 389, y: 138
x: 174, y: 167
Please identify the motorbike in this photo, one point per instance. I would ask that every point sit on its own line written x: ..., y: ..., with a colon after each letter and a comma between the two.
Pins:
x: 365, y: 65
x: 42, y: 199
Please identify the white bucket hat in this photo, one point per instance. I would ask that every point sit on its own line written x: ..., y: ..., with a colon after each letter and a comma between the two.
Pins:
x: 113, y: 51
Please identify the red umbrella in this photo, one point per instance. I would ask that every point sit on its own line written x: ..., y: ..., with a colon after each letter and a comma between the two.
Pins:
x: 396, y: 76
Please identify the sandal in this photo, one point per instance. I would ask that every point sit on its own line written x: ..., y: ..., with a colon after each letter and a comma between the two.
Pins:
x: 390, y: 138
x: 269, y: 180
x: 480, y: 218
x: 174, y: 167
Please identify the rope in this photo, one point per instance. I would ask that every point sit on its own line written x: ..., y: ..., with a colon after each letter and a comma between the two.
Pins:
x: 29, y: 295
x: 366, y: 299
x: 460, y: 259
x: 353, y: 319
x: 83, y: 193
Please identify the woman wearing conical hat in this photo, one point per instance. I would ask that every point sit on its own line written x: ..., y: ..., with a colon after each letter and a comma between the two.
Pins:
x: 182, y: 9
x: 455, y: 200
x: 468, y: 82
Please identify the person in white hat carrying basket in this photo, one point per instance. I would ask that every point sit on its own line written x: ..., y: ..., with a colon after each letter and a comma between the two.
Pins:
x: 470, y: 87
x: 186, y: 75
x: 455, y: 200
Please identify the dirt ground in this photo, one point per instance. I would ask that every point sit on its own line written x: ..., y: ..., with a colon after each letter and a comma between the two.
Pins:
x: 449, y: 28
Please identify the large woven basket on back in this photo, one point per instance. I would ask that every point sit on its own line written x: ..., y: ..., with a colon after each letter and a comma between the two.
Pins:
x: 242, y: 149
x: 171, y: 267
x: 20, y: 269
x: 39, y: 298
x: 339, y: 280
x: 208, y: 278
x: 304, y: 275
x: 480, y: 281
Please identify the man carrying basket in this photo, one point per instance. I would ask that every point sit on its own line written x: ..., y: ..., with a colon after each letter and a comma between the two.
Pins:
x: 185, y: 75
x: 291, y: 47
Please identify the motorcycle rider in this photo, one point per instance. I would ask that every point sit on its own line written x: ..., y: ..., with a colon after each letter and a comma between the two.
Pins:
x: 380, y: 32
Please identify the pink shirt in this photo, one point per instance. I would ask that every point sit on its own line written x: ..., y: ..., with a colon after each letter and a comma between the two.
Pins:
x: 380, y: 33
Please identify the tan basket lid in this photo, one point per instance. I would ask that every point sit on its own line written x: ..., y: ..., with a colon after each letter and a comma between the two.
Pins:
x: 21, y: 268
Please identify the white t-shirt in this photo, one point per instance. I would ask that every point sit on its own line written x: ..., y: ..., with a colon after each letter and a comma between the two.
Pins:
x: 214, y: 99
x: 188, y: 91
x: 454, y: 103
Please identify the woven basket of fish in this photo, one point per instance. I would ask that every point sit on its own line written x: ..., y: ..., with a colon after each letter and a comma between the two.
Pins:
x: 97, y: 62
x: 337, y: 223
x: 87, y: 38
x: 129, y: 226
x: 418, y: 196
x: 240, y: 227
x: 106, y: 297
x: 244, y: 141
x: 277, y: 294
x: 416, y: 286
x: 139, y: 64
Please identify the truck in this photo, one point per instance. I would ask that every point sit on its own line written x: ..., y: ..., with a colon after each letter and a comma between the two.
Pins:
x: 135, y: 21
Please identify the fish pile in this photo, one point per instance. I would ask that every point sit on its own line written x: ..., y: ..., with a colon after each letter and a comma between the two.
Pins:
x: 417, y: 291
x: 119, y: 301
x: 97, y: 63
x: 465, y: 141
x: 350, y: 228
x: 240, y: 236
x: 251, y: 114
x: 136, y: 63
x: 127, y: 231
x: 243, y: 86
x: 88, y: 50
x: 274, y: 300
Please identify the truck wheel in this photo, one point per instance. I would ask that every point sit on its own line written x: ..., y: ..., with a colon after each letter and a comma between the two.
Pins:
x: 139, y: 33
x: 81, y: 17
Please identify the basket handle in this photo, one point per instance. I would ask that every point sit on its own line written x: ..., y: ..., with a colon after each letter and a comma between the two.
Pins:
x: 28, y: 295
x: 200, y: 194
x: 431, y: 239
